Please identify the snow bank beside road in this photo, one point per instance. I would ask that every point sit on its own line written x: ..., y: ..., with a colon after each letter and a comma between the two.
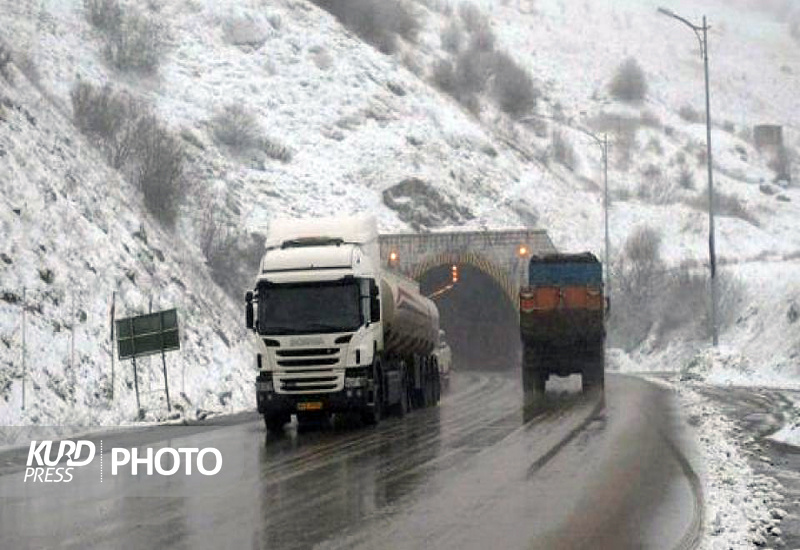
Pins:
x: 738, y: 502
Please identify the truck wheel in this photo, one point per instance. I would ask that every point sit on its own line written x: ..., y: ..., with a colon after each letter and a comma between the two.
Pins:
x: 371, y: 415
x: 593, y: 375
x: 428, y: 390
x: 275, y: 422
x: 534, y: 379
x: 437, y: 382
x: 539, y: 382
x: 403, y: 405
x: 593, y: 378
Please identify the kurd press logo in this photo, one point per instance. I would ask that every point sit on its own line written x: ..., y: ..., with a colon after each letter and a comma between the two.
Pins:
x: 57, y: 461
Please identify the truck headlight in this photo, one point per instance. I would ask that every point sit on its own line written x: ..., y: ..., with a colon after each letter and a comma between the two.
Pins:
x: 264, y: 386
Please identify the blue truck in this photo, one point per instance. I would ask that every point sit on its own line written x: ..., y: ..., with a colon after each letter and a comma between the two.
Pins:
x: 562, y: 321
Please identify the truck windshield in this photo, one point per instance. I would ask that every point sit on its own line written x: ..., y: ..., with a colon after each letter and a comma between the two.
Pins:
x: 309, y: 308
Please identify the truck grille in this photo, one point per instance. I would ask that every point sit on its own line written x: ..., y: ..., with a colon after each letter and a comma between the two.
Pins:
x: 317, y: 383
x: 306, y: 362
x: 308, y: 370
x: 307, y: 352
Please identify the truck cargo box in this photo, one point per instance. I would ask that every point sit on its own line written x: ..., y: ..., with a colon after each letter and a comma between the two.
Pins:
x: 563, y: 304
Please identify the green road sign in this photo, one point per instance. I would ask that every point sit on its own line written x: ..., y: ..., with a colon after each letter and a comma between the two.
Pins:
x: 148, y: 334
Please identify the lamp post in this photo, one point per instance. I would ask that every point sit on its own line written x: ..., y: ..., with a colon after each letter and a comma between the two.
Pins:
x: 702, y: 38
x: 603, y: 143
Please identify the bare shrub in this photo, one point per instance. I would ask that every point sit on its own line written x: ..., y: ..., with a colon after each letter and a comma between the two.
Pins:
x: 104, y: 15
x: 472, y: 71
x: 108, y: 118
x: 652, y: 303
x: 378, y: 22
x: 638, y: 276
x: 688, y: 113
x: 133, y: 141
x: 158, y: 169
x: 236, y: 127
x: 462, y: 81
x: 655, y: 188
x: 136, y: 45
x: 233, y: 256
x: 686, y: 178
x: 452, y: 37
x: 686, y: 291
x: 724, y: 205
x: 563, y: 151
x: 276, y: 150
x: 443, y: 75
x: 512, y: 87
x: 629, y: 83
x: 643, y: 250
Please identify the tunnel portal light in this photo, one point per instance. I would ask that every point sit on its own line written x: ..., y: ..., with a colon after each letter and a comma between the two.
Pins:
x: 522, y: 251
x: 393, y: 257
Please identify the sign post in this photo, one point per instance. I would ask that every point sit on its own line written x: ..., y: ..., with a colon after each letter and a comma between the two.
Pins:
x: 147, y: 335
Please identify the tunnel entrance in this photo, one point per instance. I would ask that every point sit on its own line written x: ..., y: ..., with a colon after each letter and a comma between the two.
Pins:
x: 481, y: 324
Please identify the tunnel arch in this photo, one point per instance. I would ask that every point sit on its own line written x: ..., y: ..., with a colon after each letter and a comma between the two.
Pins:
x: 498, y: 274
x: 480, y: 320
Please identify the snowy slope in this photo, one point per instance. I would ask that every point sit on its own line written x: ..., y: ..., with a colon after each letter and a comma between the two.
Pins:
x: 73, y: 232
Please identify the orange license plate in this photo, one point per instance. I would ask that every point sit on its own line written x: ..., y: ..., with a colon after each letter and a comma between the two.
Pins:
x: 309, y: 406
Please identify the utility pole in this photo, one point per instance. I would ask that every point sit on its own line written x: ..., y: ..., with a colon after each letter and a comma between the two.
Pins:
x: 701, y: 32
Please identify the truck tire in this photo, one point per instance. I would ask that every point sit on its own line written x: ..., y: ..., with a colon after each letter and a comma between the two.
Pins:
x: 593, y: 375
x: 371, y: 415
x: 534, y: 378
x: 275, y: 422
x: 437, y: 382
x: 428, y: 390
x: 404, y: 405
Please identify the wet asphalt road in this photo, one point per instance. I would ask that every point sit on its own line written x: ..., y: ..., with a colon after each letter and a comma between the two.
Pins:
x: 479, y: 471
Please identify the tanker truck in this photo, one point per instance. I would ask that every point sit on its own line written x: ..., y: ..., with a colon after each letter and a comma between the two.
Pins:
x: 335, y: 332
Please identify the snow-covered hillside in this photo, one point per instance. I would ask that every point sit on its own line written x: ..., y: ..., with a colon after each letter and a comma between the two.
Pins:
x: 367, y: 131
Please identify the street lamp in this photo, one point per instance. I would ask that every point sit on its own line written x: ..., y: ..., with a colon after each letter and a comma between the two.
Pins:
x: 603, y: 143
x: 703, y: 39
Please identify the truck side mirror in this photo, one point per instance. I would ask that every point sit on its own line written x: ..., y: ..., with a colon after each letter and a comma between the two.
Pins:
x: 248, y: 309
x: 375, y: 310
x: 374, y: 302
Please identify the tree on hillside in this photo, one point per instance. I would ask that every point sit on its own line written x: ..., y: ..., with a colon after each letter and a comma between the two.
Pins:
x: 629, y: 83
